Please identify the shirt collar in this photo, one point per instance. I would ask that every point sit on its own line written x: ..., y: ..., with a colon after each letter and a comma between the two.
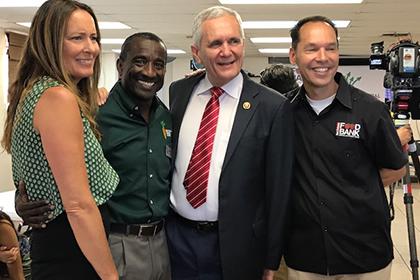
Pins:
x: 232, y: 88
x: 343, y: 95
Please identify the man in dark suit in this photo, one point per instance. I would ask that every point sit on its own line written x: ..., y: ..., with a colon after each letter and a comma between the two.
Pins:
x: 233, y: 162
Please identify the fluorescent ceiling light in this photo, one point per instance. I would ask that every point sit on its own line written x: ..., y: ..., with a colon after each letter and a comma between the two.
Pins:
x: 170, y: 51
x: 257, y: 40
x: 264, y: 24
x: 283, y: 50
x: 21, y: 3
x: 102, y: 25
x: 112, y: 25
x: 110, y: 41
x: 26, y: 24
x: 284, y: 24
x: 175, y: 51
x: 280, y: 40
x: 341, y: 23
x: 290, y: 2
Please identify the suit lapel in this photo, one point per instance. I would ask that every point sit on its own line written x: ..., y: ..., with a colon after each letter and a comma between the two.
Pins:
x: 248, y: 103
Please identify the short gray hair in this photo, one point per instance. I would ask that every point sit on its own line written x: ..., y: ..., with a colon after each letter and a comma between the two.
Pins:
x: 211, y: 13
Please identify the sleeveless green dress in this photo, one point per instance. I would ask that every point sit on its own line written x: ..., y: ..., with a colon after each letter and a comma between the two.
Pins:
x: 29, y: 163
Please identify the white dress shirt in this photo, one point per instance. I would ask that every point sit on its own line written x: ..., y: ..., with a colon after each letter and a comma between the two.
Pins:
x: 188, y: 133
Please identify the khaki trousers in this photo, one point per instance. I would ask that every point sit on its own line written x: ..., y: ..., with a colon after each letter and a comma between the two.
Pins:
x: 144, y: 258
x: 383, y: 274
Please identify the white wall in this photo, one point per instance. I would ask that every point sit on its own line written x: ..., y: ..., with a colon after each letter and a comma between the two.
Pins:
x: 6, y: 182
x: 109, y: 73
x: 371, y: 80
x: 255, y: 64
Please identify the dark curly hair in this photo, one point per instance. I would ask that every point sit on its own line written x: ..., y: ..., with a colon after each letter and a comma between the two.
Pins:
x: 279, y: 77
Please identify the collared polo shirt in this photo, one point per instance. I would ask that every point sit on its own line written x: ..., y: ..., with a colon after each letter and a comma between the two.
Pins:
x: 340, y: 219
x: 140, y: 154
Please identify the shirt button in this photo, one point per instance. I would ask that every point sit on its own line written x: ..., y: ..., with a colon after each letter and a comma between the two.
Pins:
x: 136, y: 108
x: 325, y: 229
x: 322, y: 203
x: 150, y: 151
x: 151, y: 202
x: 131, y: 115
x: 151, y: 176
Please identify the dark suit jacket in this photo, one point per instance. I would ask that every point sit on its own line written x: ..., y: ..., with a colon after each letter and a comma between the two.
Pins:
x: 255, y: 179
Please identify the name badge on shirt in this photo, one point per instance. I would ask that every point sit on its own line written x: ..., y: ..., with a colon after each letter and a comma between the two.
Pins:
x: 168, y: 151
x: 351, y: 130
x: 167, y: 133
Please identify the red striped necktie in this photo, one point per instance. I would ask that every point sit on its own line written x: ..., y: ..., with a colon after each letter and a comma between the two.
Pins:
x: 197, y: 175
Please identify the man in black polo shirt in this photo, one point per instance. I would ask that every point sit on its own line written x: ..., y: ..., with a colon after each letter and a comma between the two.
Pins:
x: 345, y: 142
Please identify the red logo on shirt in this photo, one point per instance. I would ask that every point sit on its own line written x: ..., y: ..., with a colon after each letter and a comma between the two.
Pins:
x: 348, y: 130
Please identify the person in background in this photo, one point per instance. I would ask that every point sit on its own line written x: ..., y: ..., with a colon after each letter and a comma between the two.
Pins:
x: 10, y: 260
x: 8, y: 254
x: 405, y: 134
x: 345, y: 144
x: 281, y: 78
x: 52, y: 136
x: 230, y: 191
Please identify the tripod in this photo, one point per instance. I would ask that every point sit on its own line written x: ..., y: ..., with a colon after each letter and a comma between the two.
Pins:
x: 408, y: 201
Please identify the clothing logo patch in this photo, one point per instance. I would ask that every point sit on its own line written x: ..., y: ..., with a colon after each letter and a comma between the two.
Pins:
x: 165, y: 132
x: 348, y: 130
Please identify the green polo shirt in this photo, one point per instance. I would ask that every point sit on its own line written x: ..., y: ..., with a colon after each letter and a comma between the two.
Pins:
x: 140, y: 154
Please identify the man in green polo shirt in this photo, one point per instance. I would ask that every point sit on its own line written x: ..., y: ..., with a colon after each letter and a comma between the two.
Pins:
x: 136, y: 140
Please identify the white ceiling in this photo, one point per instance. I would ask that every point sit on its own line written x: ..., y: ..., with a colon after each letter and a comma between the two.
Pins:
x: 172, y: 19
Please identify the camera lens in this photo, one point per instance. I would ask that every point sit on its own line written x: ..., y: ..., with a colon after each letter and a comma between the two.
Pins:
x: 377, y: 48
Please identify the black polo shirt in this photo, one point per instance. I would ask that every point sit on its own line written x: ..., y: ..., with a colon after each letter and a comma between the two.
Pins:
x: 340, y: 219
x: 140, y: 154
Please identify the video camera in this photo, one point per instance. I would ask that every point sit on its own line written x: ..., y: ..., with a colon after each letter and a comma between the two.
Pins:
x: 402, y: 65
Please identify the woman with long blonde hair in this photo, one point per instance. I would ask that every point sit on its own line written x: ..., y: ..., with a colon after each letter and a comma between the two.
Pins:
x: 51, y: 133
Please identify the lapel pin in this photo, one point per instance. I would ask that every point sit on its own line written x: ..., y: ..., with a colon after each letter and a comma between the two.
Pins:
x: 246, y: 105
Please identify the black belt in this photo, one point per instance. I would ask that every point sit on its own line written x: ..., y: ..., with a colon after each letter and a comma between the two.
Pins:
x: 198, y: 225
x: 138, y: 229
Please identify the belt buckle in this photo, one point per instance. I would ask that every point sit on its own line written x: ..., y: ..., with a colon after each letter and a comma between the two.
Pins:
x: 142, y: 227
x: 204, y: 226
x: 140, y: 231
x: 155, y: 229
